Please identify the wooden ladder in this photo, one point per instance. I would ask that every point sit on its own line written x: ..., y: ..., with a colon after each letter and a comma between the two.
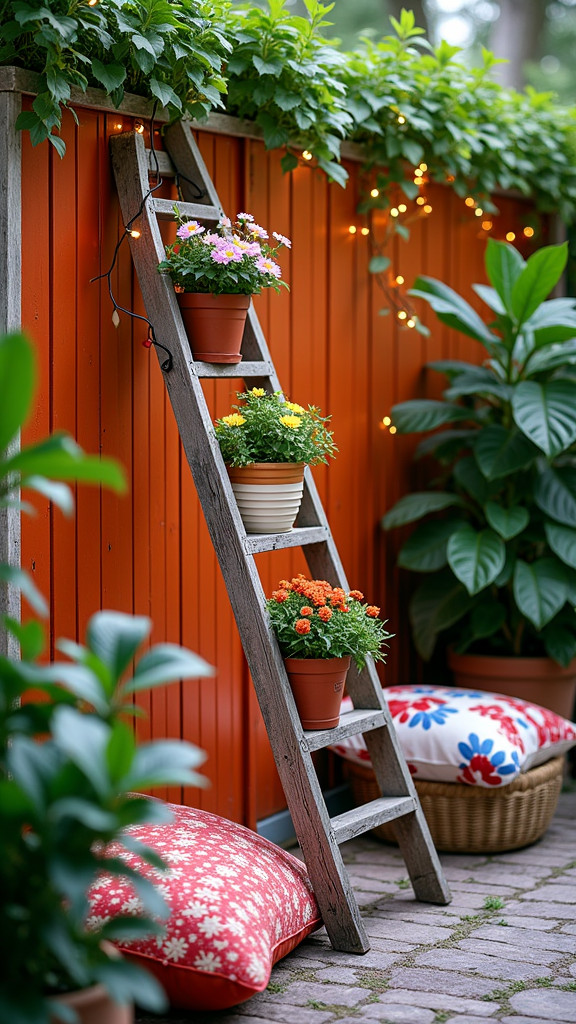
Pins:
x: 319, y: 835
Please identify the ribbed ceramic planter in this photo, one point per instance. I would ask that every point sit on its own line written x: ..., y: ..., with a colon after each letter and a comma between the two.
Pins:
x: 214, y: 325
x: 539, y: 680
x: 268, y: 495
x: 318, y: 688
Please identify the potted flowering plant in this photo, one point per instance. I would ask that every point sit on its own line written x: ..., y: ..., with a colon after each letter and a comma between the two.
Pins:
x: 214, y: 275
x: 266, y: 442
x: 319, y: 628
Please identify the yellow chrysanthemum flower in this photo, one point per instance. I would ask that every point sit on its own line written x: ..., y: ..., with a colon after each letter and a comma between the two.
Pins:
x: 233, y: 420
x: 258, y: 392
x: 295, y: 407
x: 291, y: 421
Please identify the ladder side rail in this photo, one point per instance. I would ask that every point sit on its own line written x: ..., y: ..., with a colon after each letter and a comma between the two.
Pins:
x: 187, y: 158
x: 298, y: 775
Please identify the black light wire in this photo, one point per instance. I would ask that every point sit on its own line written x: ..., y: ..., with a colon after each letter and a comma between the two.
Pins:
x: 167, y: 364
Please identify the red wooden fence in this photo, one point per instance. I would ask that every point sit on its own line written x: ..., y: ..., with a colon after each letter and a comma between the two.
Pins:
x: 149, y: 552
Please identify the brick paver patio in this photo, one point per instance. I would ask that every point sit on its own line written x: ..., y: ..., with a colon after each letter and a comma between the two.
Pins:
x: 504, y: 950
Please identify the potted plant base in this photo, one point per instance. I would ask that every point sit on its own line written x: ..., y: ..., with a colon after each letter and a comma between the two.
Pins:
x: 268, y: 495
x: 539, y: 680
x: 318, y: 688
x: 214, y: 325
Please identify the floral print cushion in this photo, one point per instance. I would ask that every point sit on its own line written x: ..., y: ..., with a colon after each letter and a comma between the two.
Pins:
x: 238, y: 903
x: 467, y: 736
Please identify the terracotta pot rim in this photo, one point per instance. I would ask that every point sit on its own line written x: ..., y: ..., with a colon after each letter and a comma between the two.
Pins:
x: 514, y: 665
x: 214, y: 298
x: 274, y: 465
x: 316, y: 664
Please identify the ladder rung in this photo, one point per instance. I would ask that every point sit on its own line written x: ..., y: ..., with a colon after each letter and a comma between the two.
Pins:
x: 247, y: 369
x: 361, y: 819
x: 297, y: 538
x: 164, y: 210
x: 351, y: 723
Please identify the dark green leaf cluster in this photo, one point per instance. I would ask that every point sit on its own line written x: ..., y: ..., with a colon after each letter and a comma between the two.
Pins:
x: 231, y: 260
x: 69, y: 764
x: 311, y: 619
x: 269, y: 428
x: 500, y: 552
x: 171, y: 52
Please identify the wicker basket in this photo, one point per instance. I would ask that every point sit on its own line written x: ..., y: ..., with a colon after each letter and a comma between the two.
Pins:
x: 472, y: 819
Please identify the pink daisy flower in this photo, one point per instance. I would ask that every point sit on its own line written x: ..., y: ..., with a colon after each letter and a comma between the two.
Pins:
x: 268, y: 267
x: 258, y: 231
x: 227, y: 254
x: 192, y: 227
x: 282, y: 239
x: 244, y: 216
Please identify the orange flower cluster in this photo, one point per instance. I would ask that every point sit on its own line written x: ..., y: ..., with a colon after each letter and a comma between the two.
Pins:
x: 373, y: 611
x: 302, y: 626
x: 319, y: 592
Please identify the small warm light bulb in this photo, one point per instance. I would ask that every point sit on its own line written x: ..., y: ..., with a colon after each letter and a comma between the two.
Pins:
x: 135, y: 233
x: 119, y: 126
x: 510, y: 236
x: 450, y: 178
x: 420, y: 201
x: 487, y: 225
x: 306, y: 154
x: 386, y: 421
x: 394, y: 212
x: 528, y: 232
x: 139, y: 127
x: 401, y: 119
x: 364, y: 231
x: 470, y: 201
x: 418, y: 179
x: 427, y: 208
x: 410, y: 323
x: 92, y: 3
x: 375, y: 192
x: 352, y: 229
x: 402, y: 315
x: 423, y: 167
x: 479, y: 212
x: 399, y: 279
x: 402, y: 207
x: 392, y: 430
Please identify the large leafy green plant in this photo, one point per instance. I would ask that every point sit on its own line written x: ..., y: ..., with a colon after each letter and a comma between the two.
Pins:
x: 499, y: 551
x: 70, y: 769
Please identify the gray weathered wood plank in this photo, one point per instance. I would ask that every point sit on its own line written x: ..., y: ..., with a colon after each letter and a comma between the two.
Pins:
x: 256, y: 542
x: 358, y: 820
x: 165, y: 210
x: 351, y: 724
x: 245, y: 369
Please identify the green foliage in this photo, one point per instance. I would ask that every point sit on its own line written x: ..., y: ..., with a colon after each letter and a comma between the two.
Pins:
x: 69, y: 763
x: 405, y: 101
x: 311, y: 619
x: 232, y: 260
x: 500, y: 552
x: 170, y: 52
x: 269, y: 428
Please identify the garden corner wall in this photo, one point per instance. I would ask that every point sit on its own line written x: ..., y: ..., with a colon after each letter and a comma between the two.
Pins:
x: 149, y: 552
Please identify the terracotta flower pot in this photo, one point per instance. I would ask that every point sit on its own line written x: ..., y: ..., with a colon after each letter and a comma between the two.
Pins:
x: 268, y: 495
x: 214, y: 325
x: 539, y: 680
x: 94, y: 1006
x: 318, y: 688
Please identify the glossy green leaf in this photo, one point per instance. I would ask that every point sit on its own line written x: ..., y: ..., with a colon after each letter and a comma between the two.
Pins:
x: 437, y: 604
x: 422, y: 414
x: 508, y: 522
x: 451, y: 309
x: 166, y: 663
x: 470, y: 479
x: 545, y: 413
x: 540, y: 589
x: 560, y: 643
x: 555, y: 494
x: 542, y: 272
x: 500, y: 452
x: 425, y: 549
x: 446, y: 443
x: 504, y: 265
x: 476, y: 558
x: 23, y: 582
x: 562, y: 540
x: 415, y: 506
x: 378, y: 264
x: 17, y: 382
x: 166, y: 762
x: 115, y: 637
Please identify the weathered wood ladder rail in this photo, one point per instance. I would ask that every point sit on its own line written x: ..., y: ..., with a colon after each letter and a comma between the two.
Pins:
x: 319, y: 836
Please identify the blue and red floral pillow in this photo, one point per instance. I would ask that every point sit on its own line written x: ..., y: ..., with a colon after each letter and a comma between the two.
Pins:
x: 481, y: 739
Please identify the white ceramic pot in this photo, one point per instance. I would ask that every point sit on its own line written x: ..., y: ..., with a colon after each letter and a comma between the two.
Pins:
x: 268, y: 495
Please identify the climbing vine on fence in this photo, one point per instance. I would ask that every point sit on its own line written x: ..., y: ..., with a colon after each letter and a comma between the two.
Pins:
x: 409, y: 104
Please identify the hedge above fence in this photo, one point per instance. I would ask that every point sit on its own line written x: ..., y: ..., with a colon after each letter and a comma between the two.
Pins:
x: 405, y: 101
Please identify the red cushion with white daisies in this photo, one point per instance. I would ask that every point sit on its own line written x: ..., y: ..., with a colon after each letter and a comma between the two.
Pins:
x: 238, y: 903
x: 467, y: 736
